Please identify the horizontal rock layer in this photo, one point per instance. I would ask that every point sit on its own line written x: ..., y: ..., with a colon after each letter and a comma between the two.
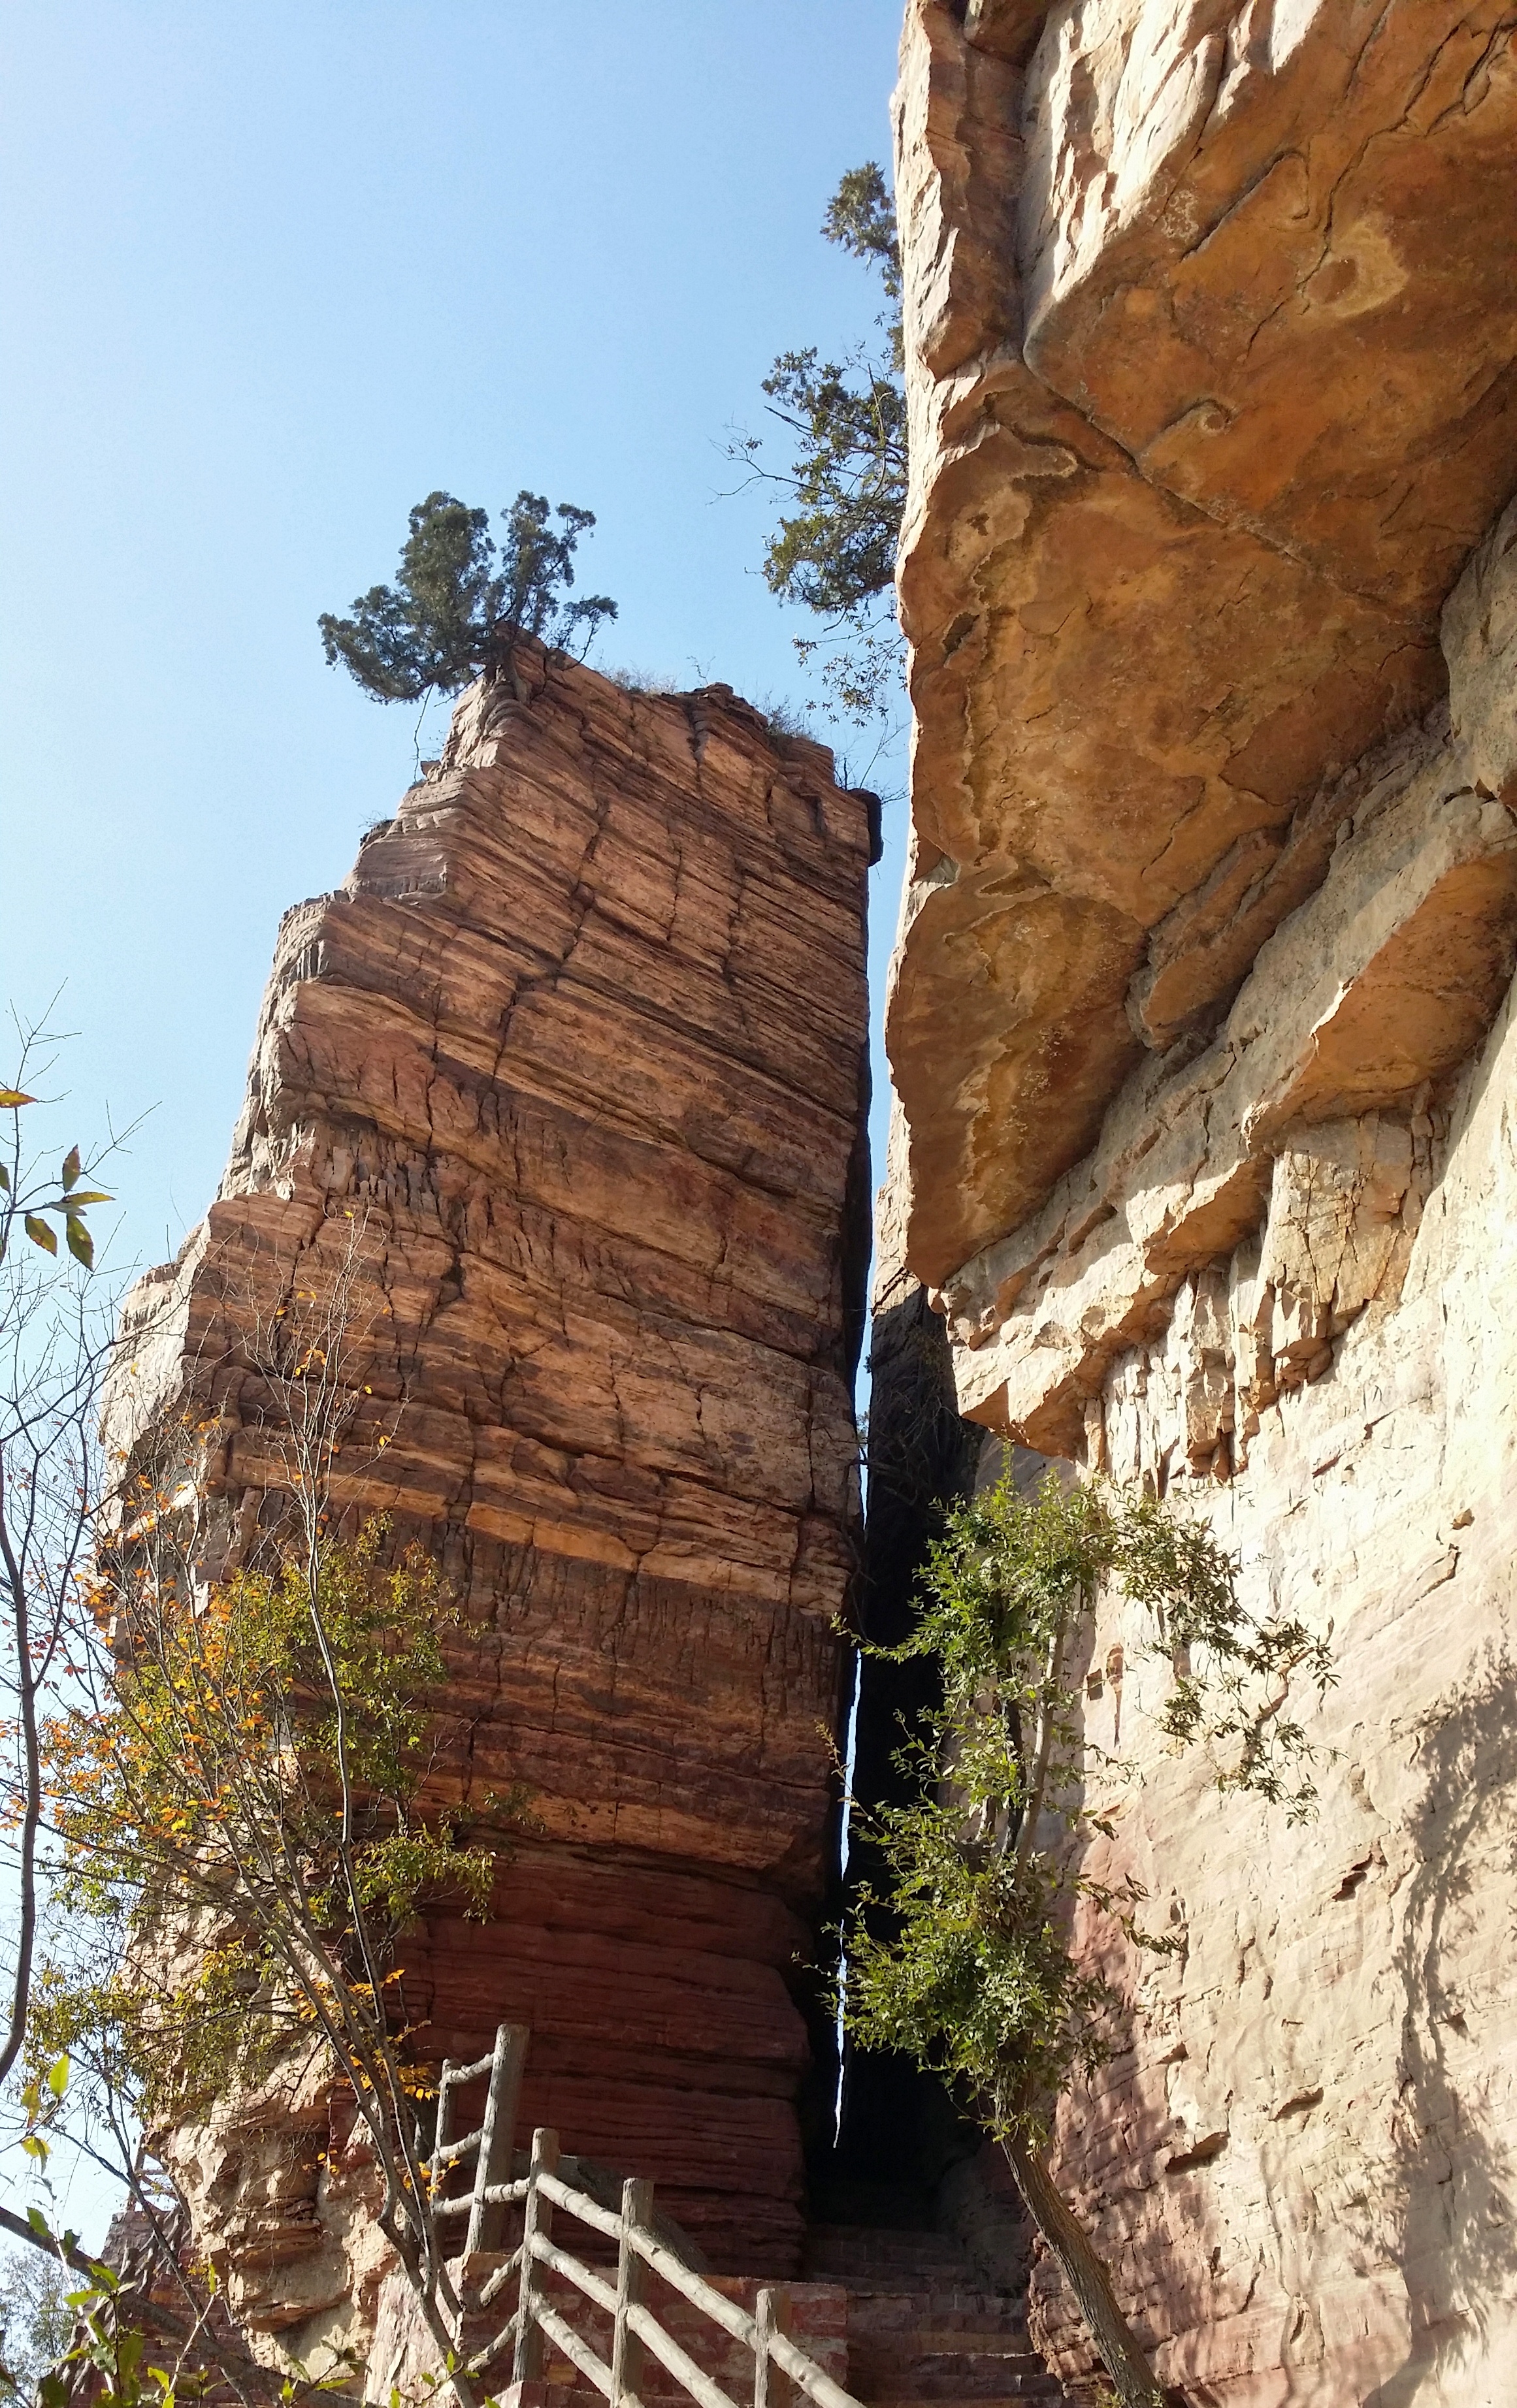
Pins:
x: 561, y: 1096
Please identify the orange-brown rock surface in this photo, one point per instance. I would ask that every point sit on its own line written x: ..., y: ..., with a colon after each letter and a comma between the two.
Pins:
x: 566, y: 1082
x: 1202, y: 1029
x: 1210, y: 325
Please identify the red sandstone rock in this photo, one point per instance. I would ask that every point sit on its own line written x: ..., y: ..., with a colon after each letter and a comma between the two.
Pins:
x: 574, y: 1066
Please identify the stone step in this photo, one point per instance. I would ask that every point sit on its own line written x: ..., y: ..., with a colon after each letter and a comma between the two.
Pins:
x: 926, y: 2253
x: 879, y: 2370
x: 1041, y: 2386
x: 888, y: 2257
x: 953, y: 2312
x: 923, y: 2333
x: 1024, y: 2377
x: 931, y: 2294
x: 1004, y: 2338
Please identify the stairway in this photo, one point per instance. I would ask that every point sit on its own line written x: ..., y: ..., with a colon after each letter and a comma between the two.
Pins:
x: 921, y: 2327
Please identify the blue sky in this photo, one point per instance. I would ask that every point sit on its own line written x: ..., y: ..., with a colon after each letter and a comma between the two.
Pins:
x: 268, y: 274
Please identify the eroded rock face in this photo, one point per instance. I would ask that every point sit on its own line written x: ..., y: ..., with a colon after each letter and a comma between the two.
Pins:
x: 1305, y: 1116
x: 1209, y: 354
x: 1301, y: 2158
x: 1203, y: 1029
x: 567, y: 1081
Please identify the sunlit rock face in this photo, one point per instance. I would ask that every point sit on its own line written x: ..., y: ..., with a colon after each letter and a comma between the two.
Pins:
x: 1202, y: 1029
x: 566, y: 1083
x: 1210, y: 326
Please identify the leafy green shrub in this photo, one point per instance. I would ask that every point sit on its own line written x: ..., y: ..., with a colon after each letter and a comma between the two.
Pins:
x: 835, y: 551
x: 963, y: 1960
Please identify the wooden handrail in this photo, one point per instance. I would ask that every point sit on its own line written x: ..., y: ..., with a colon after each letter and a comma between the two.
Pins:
x: 626, y: 2347
x: 807, y: 2376
x: 508, y: 2194
x: 575, y: 2271
x: 493, y: 2348
x: 778, y: 2359
x: 575, y: 2348
x: 492, y: 2171
x: 773, y: 2322
x: 498, y: 2281
x: 580, y: 2203
x: 774, y: 2352
x: 680, y: 2364
x: 454, y: 2155
x: 457, y: 2074
x: 694, y: 2287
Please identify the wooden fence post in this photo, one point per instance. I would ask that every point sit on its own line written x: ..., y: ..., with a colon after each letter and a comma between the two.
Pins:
x: 443, y: 2134
x: 488, y: 2223
x: 626, y: 2348
x: 526, y: 2360
x: 771, y: 2387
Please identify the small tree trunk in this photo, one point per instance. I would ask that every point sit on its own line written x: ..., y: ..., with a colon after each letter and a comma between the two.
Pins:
x: 1126, y: 2363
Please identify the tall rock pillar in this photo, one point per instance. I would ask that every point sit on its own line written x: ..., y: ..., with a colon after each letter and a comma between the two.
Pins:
x: 570, y: 1075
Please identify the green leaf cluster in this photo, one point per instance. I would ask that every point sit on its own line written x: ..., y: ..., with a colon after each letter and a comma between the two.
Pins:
x: 962, y: 1956
x: 35, y: 2318
x: 29, y: 1204
x: 834, y: 551
x: 206, y: 1825
x: 458, y: 602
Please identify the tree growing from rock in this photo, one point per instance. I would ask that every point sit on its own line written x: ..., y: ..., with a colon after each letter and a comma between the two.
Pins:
x: 834, y: 550
x: 240, y: 1787
x: 458, y: 601
x: 964, y: 1961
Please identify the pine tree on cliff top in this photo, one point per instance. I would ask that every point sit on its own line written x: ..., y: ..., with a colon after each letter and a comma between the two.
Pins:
x: 458, y: 602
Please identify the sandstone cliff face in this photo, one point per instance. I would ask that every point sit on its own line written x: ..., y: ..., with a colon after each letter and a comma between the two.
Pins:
x: 1210, y: 329
x: 570, y: 1075
x: 1202, y: 1028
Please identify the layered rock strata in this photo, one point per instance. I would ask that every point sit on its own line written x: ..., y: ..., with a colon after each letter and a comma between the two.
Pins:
x: 562, y: 1096
x: 1202, y: 1028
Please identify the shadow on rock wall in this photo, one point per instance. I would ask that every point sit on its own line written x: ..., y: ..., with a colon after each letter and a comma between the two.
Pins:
x: 898, y: 2131
x: 1451, y: 2236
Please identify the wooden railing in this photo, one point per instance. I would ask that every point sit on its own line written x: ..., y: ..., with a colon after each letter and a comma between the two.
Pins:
x: 781, y: 2368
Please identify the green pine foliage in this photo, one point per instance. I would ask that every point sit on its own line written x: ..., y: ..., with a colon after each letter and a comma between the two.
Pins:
x: 835, y: 551
x: 458, y: 601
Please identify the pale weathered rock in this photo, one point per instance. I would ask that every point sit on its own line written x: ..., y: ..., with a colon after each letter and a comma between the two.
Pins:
x: 1301, y: 2160
x: 1202, y: 1026
x: 573, y: 1071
